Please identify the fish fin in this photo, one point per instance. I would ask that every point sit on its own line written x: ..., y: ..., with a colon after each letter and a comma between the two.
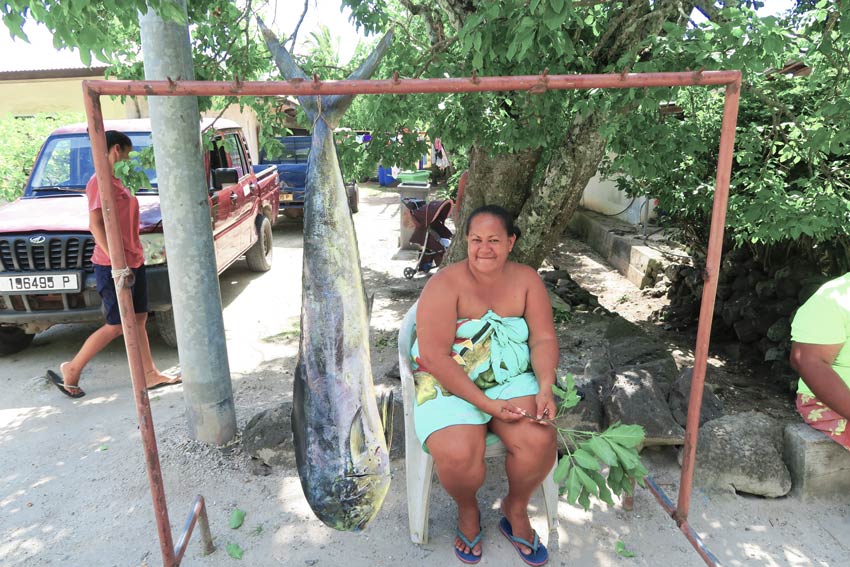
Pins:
x: 386, y: 409
x: 336, y: 105
x: 356, y: 439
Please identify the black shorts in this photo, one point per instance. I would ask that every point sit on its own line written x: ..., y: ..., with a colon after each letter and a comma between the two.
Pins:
x: 106, y: 289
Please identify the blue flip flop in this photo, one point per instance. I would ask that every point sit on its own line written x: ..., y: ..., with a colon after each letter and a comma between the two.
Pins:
x: 538, y: 555
x: 469, y: 558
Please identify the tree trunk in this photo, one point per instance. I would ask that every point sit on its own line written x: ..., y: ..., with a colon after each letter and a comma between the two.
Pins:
x: 501, y: 179
x: 544, y: 208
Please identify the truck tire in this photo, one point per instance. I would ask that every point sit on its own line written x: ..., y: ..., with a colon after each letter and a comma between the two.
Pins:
x: 353, y: 194
x: 13, y: 339
x: 165, y: 327
x: 259, y: 256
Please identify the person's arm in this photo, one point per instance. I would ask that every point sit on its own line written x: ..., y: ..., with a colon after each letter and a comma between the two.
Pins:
x: 814, y: 363
x: 436, y: 318
x: 98, y: 229
x: 542, y: 342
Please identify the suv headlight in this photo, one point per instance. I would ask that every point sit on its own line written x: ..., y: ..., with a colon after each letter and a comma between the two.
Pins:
x: 153, y: 246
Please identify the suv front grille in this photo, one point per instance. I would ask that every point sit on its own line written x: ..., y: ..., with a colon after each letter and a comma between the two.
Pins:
x: 56, y: 252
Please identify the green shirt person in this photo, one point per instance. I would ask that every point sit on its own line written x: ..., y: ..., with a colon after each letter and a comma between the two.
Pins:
x: 820, y: 352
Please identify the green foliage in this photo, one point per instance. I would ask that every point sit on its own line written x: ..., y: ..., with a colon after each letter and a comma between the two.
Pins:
x: 580, y: 471
x: 790, y: 179
x: 22, y: 138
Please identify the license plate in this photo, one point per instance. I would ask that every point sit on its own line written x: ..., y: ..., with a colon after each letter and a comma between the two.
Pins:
x: 286, y: 197
x: 40, y: 283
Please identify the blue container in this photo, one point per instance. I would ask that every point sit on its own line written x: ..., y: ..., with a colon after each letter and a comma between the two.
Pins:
x: 382, y: 179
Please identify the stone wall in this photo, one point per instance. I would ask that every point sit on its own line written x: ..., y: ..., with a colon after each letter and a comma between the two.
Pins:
x: 754, y: 307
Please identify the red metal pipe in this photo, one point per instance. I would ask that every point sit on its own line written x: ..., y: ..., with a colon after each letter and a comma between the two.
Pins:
x: 693, y: 537
x: 709, y: 292
x: 534, y: 83
x: 197, y: 514
x: 104, y: 174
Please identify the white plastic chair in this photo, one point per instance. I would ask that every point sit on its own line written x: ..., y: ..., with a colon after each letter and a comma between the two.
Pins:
x: 419, y: 466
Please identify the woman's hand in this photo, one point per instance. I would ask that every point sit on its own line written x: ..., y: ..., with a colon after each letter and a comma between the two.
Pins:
x: 505, y: 411
x: 545, y: 402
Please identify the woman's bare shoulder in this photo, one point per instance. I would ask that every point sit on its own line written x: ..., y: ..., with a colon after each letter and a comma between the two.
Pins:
x: 445, y: 281
x: 524, y: 272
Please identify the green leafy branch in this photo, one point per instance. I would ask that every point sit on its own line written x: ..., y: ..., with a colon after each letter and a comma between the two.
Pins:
x: 131, y: 171
x: 580, y: 472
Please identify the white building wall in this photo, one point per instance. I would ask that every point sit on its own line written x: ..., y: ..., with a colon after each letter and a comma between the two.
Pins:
x: 602, y: 196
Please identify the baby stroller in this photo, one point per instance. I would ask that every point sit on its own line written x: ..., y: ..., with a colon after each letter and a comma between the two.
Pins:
x: 430, y: 233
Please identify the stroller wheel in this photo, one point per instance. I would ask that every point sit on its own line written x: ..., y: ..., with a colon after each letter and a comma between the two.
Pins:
x: 409, y: 273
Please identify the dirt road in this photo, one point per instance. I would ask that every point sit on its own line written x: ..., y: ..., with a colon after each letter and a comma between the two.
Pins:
x: 74, y: 492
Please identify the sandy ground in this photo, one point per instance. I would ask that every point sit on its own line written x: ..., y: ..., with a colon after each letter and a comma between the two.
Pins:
x: 74, y: 492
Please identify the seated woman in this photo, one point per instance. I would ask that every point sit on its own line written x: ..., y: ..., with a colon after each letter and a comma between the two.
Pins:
x: 820, y: 352
x: 484, y: 360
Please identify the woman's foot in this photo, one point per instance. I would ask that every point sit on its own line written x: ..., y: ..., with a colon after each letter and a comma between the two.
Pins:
x: 156, y: 379
x: 518, y: 518
x: 469, y: 524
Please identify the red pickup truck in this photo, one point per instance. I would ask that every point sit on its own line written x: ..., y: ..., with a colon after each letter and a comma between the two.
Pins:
x: 46, y: 274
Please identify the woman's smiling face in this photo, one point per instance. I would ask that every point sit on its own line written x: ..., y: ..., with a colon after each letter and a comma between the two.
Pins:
x: 488, y: 243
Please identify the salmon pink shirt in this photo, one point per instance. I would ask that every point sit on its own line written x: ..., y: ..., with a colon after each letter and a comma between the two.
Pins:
x: 127, y: 209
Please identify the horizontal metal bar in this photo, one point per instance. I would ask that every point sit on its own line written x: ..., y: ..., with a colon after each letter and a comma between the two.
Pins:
x: 533, y: 83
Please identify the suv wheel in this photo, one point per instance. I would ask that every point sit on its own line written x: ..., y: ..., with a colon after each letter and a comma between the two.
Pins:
x: 13, y: 339
x: 164, y: 321
x: 353, y: 194
x: 259, y: 257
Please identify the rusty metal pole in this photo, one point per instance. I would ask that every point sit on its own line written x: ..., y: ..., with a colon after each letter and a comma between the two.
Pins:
x: 709, y: 292
x: 104, y: 174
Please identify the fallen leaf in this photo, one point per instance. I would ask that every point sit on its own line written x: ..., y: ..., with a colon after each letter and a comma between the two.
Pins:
x: 234, y: 550
x: 237, y: 516
x: 621, y: 550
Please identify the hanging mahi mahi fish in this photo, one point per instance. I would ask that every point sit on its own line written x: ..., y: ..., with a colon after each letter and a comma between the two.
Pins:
x: 340, y: 444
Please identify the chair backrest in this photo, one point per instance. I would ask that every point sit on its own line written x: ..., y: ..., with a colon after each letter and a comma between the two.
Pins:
x: 406, y: 335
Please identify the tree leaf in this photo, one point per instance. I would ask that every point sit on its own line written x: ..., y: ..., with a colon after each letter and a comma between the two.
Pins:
x: 573, y: 486
x: 234, y: 551
x: 621, y: 550
x: 237, y: 517
x: 561, y: 470
x: 602, y: 450
x: 585, y: 459
x: 586, y: 481
x: 603, y: 493
x: 625, y: 435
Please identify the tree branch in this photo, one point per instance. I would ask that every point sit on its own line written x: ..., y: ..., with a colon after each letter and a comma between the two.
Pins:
x: 297, y: 27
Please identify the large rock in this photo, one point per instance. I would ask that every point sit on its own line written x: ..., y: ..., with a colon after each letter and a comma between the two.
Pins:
x: 680, y: 394
x: 588, y: 414
x: 742, y: 453
x: 635, y: 398
x: 268, y: 437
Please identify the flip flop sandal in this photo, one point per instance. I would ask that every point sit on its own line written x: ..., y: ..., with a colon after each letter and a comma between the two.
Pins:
x: 67, y: 389
x: 166, y: 383
x: 469, y: 558
x: 538, y: 555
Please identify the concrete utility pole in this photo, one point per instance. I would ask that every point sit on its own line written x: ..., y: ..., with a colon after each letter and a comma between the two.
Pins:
x: 192, y: 272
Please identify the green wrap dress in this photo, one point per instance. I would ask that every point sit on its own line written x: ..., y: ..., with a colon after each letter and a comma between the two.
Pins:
x: 494, y: 353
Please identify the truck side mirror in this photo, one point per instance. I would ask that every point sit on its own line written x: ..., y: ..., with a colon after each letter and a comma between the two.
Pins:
x: 224, y: 176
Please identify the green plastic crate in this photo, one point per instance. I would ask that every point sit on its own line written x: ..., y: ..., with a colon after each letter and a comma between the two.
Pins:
x: 421, y: 176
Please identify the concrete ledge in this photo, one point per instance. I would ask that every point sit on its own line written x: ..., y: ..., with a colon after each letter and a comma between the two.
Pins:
x: 820, y: 467
x: 617, y: 242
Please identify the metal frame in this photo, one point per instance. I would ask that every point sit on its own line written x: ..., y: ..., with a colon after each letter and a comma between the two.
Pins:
x: 537, y: 84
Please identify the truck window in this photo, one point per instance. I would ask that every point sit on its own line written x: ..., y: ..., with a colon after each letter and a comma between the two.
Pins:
x: 66, y: 162
x: 234, y: 154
